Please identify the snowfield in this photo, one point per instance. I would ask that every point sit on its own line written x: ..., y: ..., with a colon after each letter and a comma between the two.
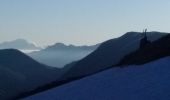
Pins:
x: 150, y: 81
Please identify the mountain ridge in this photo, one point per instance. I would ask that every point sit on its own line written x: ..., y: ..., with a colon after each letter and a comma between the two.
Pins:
x: 20, y: 73
x: 110, y: 53
x: 59, y: 54
x: 20, y: 44
x: 154, y: 50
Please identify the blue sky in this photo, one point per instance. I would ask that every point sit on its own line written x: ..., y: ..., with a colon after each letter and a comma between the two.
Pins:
x: 80, y: 21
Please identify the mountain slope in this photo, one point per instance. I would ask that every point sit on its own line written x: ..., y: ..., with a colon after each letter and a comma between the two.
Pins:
x: 20, y: 73
x: 155, y: 50
x: 19, y: 44
x: 109, y: 53
x: 60, y: 54
x: 141, y: 82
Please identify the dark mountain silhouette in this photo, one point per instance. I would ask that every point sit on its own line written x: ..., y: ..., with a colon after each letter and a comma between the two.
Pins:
x: 18, y: 44
x: 155, y: 50
x: 60, y: 54
x: 109, y: 53
x: 144, y: 41
x: 20, y: 73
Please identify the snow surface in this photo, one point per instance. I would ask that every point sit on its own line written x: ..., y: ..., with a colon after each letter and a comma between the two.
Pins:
x: 145, y: 82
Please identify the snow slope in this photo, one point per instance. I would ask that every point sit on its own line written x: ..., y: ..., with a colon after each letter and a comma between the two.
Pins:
x: 141, y: 82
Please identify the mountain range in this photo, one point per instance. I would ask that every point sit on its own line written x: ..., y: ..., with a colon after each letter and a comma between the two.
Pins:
x: 70, y: 75
x: 140, y: 75
x: 108, y: 66
x: 109, y: 53
x: 59, y: 54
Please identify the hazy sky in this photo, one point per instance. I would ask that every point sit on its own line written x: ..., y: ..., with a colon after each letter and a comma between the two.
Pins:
x: 80, y: 21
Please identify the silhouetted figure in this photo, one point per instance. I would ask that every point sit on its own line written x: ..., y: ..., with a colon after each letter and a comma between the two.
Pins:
x: 144, y: 41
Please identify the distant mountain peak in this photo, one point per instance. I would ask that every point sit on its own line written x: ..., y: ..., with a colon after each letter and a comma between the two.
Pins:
x: 21, y: 44
x: 20, y: 40
x: 56, y: 46
x: 59, y: 44
x: 23, y: 40
x: 62, y: 46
